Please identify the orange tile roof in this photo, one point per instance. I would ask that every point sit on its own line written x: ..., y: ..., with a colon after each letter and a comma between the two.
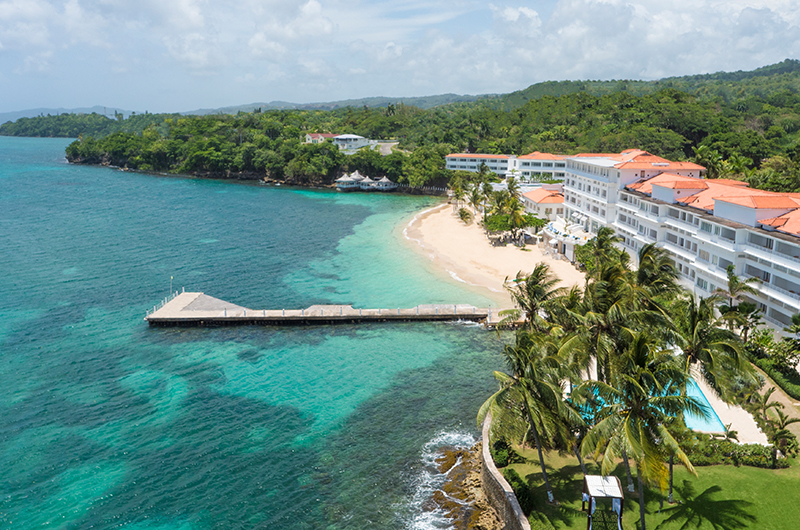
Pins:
x: 683, y: 185
x: 541, y: 195
x: 475, y: 155
x: 667, y: 180
x: 763, y: 202
x: 536, y: 155
x: 788, y: 223
x: 731, y: 182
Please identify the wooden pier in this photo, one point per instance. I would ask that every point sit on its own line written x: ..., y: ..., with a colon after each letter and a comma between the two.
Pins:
x: 199, y: 309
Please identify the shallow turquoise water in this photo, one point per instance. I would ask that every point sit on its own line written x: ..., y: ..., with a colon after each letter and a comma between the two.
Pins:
x: 105, y: 423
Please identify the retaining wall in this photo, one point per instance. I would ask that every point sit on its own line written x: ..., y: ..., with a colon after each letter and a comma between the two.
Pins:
x: 498, y: 490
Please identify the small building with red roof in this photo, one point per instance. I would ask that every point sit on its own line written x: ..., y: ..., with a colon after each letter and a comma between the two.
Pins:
x: 546, y: 202
x: 318, y: 138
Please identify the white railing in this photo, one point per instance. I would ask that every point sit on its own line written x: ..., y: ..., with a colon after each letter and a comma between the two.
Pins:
x: 756, y: 248
x: 164, y: 301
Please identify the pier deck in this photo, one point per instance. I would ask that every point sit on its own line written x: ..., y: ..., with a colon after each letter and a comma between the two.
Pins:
x: 199, y: 309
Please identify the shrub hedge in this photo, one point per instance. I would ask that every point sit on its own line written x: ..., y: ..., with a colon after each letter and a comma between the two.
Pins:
x: 789, y: 381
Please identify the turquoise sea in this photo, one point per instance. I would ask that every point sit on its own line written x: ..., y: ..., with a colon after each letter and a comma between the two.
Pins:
x: 106, y: 423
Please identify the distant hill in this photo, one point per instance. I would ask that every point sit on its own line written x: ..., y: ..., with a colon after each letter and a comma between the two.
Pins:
x: 764, y: 81
x: 32, y: 113
x: 423, y: 102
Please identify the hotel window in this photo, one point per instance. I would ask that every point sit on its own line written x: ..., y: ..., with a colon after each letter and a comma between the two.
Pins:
x: 705, y: 227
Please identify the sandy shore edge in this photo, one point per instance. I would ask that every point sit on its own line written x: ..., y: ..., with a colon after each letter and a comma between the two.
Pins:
x: 466, y: 255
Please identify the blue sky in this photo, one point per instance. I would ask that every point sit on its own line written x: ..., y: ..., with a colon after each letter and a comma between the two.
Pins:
x: 179, y: 55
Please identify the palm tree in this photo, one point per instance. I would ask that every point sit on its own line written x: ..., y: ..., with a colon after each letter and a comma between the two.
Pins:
x: 535, y: 386
x: 649, y: 387
x: 763, y: 404
x: 779, y: 436
x: 512, y: 185
x: 516, y: 217
x: 458, y: 195
x: 709, y: 158
x: 534, y: 293
x: 737, y: 288
x: 475, y: 198
x: 710, y: 350
x: 656, y: 271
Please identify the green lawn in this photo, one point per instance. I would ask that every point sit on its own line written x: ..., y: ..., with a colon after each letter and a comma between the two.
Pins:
x: 719, y: 498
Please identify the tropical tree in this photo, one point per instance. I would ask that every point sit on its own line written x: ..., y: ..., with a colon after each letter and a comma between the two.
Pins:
x: 708, y: 158
x: 781, y: 438
x: 712, y: 352
x: 535, y: 386
x: 534, y: 294
x: 649, y: 387
x: 475, y: 198
x: 736, y: 289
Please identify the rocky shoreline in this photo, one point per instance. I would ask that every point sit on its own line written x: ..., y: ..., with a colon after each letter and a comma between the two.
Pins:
x: 462, y: 497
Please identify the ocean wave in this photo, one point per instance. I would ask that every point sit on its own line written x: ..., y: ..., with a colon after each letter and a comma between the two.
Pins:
x: 455, y: 277
x: 428, y: 479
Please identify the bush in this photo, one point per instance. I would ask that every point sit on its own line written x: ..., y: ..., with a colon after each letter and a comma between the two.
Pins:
x: 521, y: 490
x: 789, y: 381
x: 709, y: 452
x: 465, y: 215
x: 500, y: 453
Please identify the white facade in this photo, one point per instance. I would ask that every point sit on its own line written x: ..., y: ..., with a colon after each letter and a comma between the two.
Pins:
x: 527, y: 169
x: 705, y: 225
x: 499, y: 164
x: 351, y: 141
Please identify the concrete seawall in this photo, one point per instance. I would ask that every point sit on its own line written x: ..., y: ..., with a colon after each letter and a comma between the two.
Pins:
x: 498, y: 490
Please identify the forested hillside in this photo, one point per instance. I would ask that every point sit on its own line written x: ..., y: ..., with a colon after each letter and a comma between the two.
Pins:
x: 670, y: 123
x: 726, y: 86
x: 74, y: 125
x: 741, y: 124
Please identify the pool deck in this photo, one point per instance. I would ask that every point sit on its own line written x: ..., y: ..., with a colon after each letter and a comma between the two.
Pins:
x: 740, y: 420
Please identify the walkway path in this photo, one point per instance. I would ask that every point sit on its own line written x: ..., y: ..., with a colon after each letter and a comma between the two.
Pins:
x: 791, y: 407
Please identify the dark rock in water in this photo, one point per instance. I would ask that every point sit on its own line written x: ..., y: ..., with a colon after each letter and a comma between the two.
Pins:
x: 461, y: 497
x: 449, y: 457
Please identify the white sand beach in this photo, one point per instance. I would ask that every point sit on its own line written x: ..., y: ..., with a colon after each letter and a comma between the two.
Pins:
x: 466, y: 254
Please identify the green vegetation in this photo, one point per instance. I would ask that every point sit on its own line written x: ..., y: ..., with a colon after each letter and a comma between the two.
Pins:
x: 720, y: 496
x: 743, y: 125
x: 74, y: 125
x: 727, y: 86
x: 623, y: 328
x: 778, y: 358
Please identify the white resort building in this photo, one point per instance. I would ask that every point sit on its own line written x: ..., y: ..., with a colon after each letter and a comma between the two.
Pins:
x: 532, y: 168
x: 499, y: 164
x: 350, y: 142
x: 536, y: 167
x: 705, y: 224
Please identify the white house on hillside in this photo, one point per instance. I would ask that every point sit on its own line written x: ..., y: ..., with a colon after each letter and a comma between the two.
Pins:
x: 351, y: 141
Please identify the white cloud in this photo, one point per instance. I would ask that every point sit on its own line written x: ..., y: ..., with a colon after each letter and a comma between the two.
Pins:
x: 311, y: 49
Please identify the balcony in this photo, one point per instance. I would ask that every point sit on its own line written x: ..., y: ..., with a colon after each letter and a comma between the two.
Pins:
x: 705, y: 237
x: 770, y: 254
x: 785, y: 296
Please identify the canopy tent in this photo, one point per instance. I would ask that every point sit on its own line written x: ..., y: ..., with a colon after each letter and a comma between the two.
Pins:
x: 599, y: 487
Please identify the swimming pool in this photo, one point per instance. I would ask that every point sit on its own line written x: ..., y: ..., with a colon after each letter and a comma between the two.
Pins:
x: 699, y: 423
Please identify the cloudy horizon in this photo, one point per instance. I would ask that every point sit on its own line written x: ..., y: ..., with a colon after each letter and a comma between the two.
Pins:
x: 181, y: 55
